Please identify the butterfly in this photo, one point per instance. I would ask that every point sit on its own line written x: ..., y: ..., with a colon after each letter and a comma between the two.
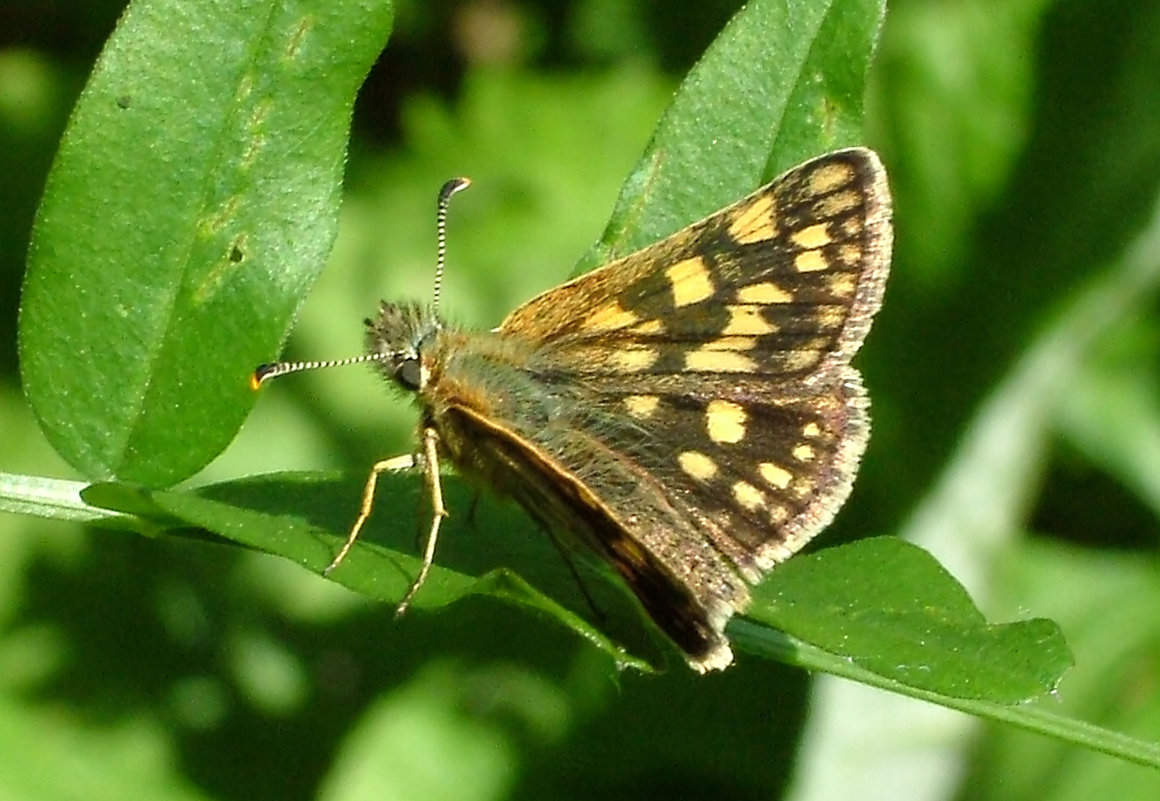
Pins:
x: 688, y: 412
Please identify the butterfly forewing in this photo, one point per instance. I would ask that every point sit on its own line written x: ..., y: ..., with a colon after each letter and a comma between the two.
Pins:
x: 773, y: 284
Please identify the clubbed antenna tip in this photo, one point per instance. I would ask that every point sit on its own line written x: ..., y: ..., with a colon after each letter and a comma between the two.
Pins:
x: 449, y: 189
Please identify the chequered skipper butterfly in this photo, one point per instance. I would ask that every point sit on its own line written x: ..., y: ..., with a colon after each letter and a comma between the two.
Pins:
x: 689, y: 411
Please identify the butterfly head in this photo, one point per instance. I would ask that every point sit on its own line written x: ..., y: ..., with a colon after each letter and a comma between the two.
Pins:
x: 397, y: 339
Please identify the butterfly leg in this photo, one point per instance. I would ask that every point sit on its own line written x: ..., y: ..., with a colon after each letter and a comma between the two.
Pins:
x: 430, y: 458
x: 405, y: 462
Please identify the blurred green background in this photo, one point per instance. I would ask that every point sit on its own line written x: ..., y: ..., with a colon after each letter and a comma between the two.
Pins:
x: 1013, y: 371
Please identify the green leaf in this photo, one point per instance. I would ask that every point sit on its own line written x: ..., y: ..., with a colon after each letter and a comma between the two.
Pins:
x: 305, y: 518
x: 859, y: 611
x: 49, y: 498
x: 191, y: 205
x: 892, y: 609
x: 1024, y: 716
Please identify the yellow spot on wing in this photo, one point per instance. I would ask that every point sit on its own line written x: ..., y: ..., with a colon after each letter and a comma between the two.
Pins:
x: 850, y: 255
x: 697, y: 465
x: 811, y: 430
x: 610, y: 318
x: 775, y: 475
x: 746, y: 321
x: 836, y: 204
x: 842, y: 285
x: 804, y: 453
x: 641, y: 405
x: 634, y: 359
x: 763, y: 293
x: 691, y: 281
x: 653, y: 326
x: 748, y: 495
x: 812, y: 236
x: 828, y: 177
x: 797, y: 360
x: 755, y: 222
x: 730, y: 343
x: 830, y: 316
x: 725, y: 421
x: 718, y: 361
x: 809, y: 261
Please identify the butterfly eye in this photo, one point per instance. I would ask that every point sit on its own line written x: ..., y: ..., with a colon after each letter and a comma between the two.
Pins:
x: 409, y: 373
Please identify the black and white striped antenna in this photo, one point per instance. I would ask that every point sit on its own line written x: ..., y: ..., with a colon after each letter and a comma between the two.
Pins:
x: 266, y: 372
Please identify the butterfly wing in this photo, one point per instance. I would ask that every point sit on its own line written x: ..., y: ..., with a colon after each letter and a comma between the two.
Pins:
x: 775, y: 284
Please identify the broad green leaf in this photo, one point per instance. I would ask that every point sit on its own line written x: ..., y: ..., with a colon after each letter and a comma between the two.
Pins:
x: 892, y: 609
x: 191, y: 205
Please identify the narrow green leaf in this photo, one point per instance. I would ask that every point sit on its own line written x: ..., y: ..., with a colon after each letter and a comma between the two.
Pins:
x: 305, y: 518
x: 50, y: 498
x: 192, y: 203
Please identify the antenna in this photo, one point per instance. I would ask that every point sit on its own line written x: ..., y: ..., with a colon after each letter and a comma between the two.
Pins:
x: 449, y: 189
x: 265, y: 372
x: 271, y: 370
